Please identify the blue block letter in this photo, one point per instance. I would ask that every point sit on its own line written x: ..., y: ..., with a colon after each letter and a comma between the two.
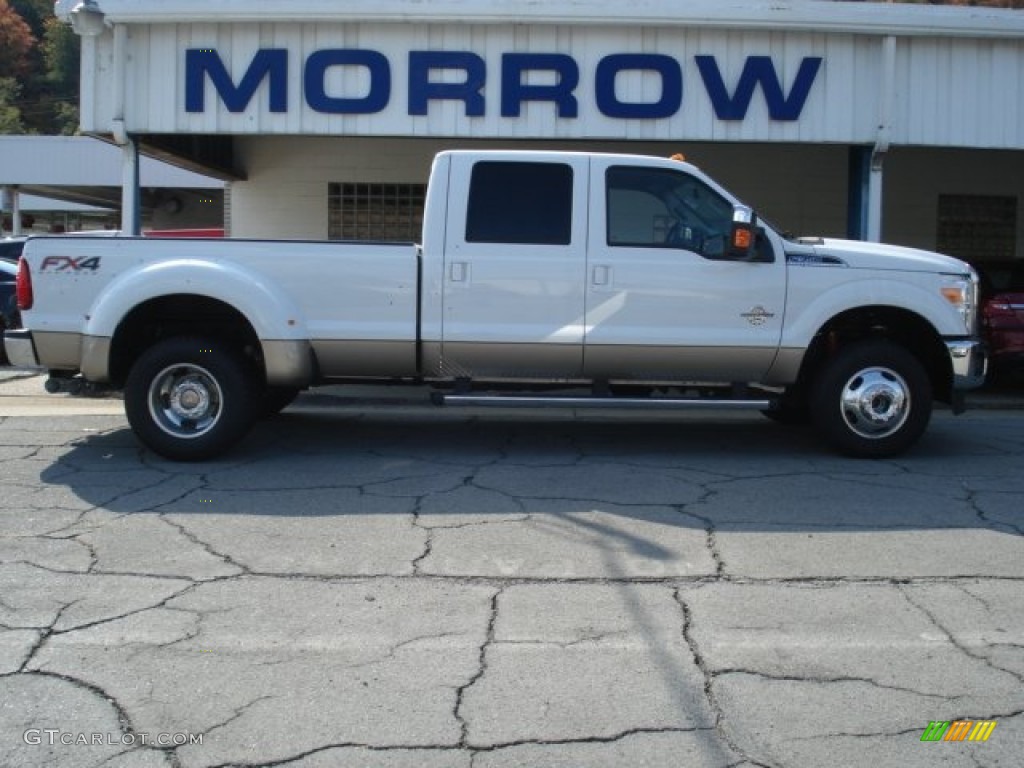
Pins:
x: 758, y: 69
x: 422, y: 91
x: 514, y: 91
x: 269, y: 63
x: 671, y: 86
x: 316, y: 88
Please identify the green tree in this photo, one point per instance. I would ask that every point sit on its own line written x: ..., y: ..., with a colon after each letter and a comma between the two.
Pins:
x: 16, y: 46
x: 10, y: 115
x: 62, y: 54
x: 40, y: 57
x: 34, y: 13
x: 16, y: 43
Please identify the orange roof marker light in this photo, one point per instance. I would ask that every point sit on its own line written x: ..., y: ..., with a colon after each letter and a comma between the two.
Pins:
x: 679, y: 157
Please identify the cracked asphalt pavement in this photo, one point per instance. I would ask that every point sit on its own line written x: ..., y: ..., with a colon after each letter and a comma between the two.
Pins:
x: 388, y: 585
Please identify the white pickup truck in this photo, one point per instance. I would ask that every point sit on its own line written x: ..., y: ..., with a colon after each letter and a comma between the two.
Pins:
x: 544, y: 278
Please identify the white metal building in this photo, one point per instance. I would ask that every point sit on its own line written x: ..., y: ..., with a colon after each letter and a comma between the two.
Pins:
x: 904, y: 122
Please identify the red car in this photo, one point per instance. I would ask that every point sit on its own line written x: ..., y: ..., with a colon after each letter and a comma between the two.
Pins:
x: 1002, y: 315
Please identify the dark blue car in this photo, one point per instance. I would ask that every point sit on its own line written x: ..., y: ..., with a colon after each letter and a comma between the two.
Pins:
x: 10, y: 251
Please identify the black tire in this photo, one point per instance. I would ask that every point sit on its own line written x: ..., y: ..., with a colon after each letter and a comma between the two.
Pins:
x: 273, y: 400
x: 872, y: 400
x: 190, y: 398
x: 3, y: 349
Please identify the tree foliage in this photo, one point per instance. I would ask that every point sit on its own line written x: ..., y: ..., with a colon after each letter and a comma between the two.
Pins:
x: 10, y: 115
x: 39, y: 70
x: 16, y: 42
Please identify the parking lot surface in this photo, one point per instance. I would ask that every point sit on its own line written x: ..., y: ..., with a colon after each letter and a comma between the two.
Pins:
x: 389, y: 585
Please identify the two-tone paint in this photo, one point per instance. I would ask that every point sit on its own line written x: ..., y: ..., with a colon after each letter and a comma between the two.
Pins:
x: 449, y: 309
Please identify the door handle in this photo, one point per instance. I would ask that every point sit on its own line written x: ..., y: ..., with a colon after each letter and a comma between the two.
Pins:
x: 602, y: 274
x: 459, y: 272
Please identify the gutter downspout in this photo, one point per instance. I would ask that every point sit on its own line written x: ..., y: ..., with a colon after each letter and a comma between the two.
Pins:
x: 130, y: 196
x: 885, y: 112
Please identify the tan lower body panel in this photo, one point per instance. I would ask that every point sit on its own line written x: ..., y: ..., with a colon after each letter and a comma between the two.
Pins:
x: 96, y: 358
x: 288, y: 363
x: 58, y: 351
x: 662, y: 364
x: 668, y: 364
x: 340, y: 359
x: 479, y: 360
x: 786, y: 367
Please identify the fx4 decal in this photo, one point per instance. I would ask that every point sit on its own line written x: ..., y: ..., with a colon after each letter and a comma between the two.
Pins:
x: 69, y: 264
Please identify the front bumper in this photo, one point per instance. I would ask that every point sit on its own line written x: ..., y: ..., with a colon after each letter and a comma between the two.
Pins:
x: 21, y: 349
x: 970, y: 363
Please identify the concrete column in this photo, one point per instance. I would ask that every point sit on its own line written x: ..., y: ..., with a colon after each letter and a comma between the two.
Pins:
x: 131, y: 218
x: 12, y: 203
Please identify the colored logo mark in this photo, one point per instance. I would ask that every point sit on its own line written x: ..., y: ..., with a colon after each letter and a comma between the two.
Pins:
x: 958, y: 730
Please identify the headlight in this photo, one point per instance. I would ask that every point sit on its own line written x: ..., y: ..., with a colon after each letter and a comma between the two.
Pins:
x: 962, y: 292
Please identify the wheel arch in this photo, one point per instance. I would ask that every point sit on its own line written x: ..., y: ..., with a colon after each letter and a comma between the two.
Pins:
x: 902, y: 326
x: 180, y: 314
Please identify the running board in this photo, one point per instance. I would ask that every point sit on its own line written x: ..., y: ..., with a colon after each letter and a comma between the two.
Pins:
x: 630, y: 403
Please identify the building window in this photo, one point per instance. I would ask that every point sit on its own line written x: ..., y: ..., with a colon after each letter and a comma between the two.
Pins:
x: 978, y: 227
x: 365, y: 211
x: 520, y: 203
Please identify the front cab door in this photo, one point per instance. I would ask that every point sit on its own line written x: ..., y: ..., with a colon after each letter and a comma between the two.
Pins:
x: 665, y: 300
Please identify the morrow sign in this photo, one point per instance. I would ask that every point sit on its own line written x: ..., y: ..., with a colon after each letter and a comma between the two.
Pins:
x: 461, y: 76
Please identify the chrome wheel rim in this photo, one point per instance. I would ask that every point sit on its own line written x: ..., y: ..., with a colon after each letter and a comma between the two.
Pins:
x: 185, y: 401
x: 875, y: 403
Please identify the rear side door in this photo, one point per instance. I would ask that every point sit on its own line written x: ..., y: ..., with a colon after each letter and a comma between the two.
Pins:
x: 514, y: 267
x: 665, y: 301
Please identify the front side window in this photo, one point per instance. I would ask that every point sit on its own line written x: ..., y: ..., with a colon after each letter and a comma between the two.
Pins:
x: 662, y: 208
x: 520, y: 203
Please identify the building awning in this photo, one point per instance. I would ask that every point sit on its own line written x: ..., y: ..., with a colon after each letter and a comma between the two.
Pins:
x: 85, y: 171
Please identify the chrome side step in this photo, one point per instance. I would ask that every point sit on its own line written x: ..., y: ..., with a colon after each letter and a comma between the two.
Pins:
x: 628, y: 403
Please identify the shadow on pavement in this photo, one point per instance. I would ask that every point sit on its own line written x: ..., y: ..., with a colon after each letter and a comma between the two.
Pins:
x: 682, y: 470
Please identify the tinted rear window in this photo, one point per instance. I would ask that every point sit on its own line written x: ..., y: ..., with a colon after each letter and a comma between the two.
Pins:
x: 520, y: 203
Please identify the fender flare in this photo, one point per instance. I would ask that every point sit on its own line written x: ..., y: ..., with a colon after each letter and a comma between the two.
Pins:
x: 272, y: 315
x: 801, y: 328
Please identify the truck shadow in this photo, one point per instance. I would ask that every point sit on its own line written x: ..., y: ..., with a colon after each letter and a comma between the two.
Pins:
x: 705, y: 472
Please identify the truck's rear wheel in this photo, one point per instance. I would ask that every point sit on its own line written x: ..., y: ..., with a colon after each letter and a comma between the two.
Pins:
x: 190, y: 399
x: 873, y: 399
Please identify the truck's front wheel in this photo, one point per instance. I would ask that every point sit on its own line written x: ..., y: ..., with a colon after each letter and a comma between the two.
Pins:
x: 873, y: 399
x: 190, y: 399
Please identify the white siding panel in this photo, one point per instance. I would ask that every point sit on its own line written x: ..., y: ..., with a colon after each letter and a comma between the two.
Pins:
x: 97, y: 115
x: 961, y: 93
x: 949, y: 91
